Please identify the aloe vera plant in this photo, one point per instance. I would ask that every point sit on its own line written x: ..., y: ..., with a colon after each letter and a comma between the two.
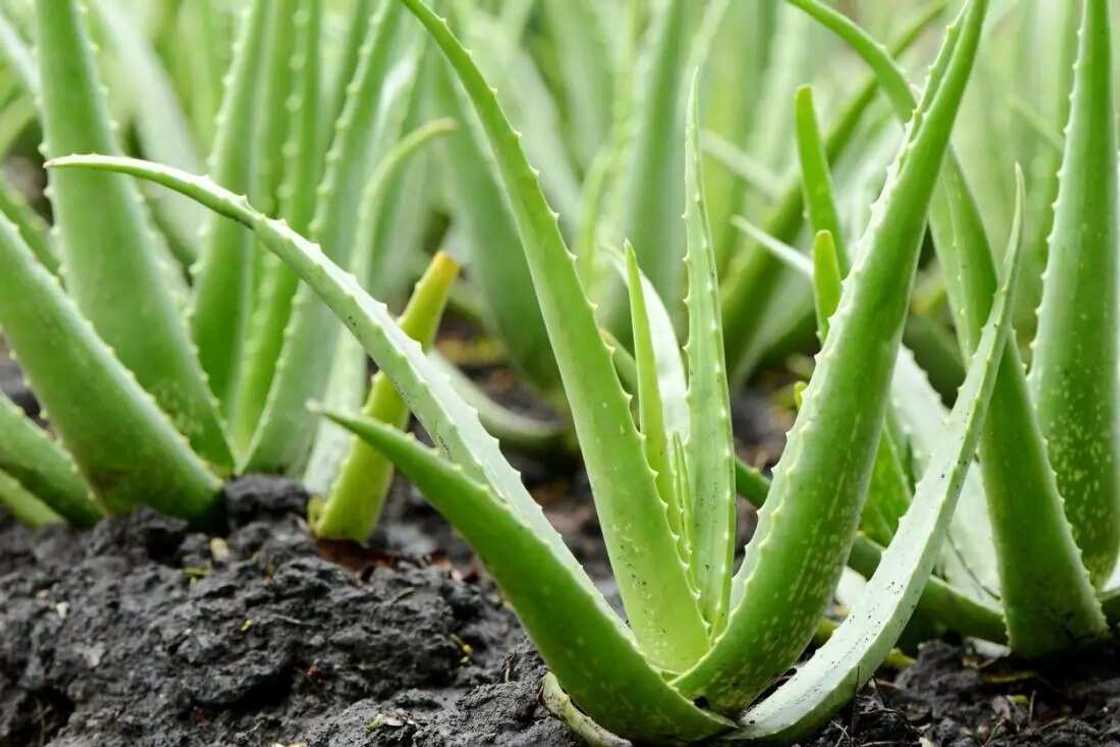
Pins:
x: 701, y: 642
x: 1048, y: 451
x: 176, y: 393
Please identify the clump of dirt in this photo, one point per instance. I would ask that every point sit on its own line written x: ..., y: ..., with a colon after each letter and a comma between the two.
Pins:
x: 144, y: 632
x: 953, y: 697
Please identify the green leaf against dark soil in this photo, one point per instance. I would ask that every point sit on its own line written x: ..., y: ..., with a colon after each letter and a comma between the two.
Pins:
x: 634, y: 519
x: 29, y: 456
x: 787, y: 579
x: 858, y: 647
x: 605, y: 683
x: 128, y: 451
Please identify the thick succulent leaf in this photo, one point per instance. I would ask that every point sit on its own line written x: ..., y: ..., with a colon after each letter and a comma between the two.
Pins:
x: 755, y: 291
x: 969, y: 559
x: 125, y: 447
x: 370, y: 123
x: 223, y: 288
x: 653, y: 582
x: 514, y: 430
x: 382, y: 203
x: 358, y: 25
x: 17, y: 56
x: 401, y: 224
x: 850, y: 657
x: 277, y: 82
x: 29, y: 455
x: 333, y: 447
x: 969, y: 616
x: 593, y: 655
x: 710, y: 445
x: 827, y: 279
x: 586, y: 63
x: 529, y: 103
x: 297, y: 195
x: 22, y: 505
x: 672, y: 383
x: 654, y: 184
x: 161, y: 124
x: 1048, y: 595
x: 1073, y: 370
x: 346, y: 390
x: 31, y: 226
x: 816, y: 176
x: 358, y: 495
x: 808, y: 524
x: 494, y: 252
x: 651, y: 410
x: 111, y: 253
x: 430, y: 396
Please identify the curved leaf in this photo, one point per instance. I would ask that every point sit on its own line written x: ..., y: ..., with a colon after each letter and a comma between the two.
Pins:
x: 809, y: 521
x: 1073, y: 369
x: 112, y: 258
x: 850, y: 657
x: 634, y: 518
x: 125, y: 447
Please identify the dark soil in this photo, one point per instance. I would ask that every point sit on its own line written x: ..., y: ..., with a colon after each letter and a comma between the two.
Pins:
x: 142, y: 632
x: 954, y: 698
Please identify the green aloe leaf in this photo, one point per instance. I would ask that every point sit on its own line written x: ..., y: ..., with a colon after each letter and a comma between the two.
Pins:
x: 28, y: 455
x: 651, y: 410
x: 358, y: 495
x: 111, y: 252
x: 1073, y: 370
x: 17, y: 56
x: 223, y: 288
x: 445, y: 415
x: 755, y: 290
x: 586, y: 61
x: 601, y: 667
x: 21, y: 504
x: 125, y: 447
x: 370, y: 124
x: 348, y: 383
x: 827, y: 279
x: 710, y: 444
x: 297, y: 196
x: 853, y: 653
x: 788, y: 575
x: 654, y: 182
x: 31, y: 225
x: 1048, y: 595
x: 634, y: 518
x: 494, y: 252
x: 816, y: 176
x: 162, y: 126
